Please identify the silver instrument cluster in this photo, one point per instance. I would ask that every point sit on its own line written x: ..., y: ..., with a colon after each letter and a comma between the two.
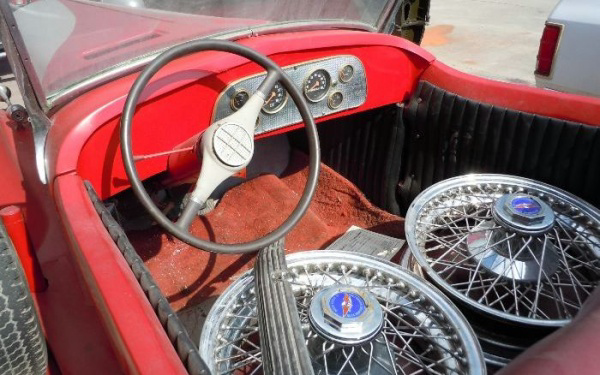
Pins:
x: 330, y: 85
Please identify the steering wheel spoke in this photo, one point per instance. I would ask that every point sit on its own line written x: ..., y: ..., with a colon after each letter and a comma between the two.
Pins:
x: 227, y: 147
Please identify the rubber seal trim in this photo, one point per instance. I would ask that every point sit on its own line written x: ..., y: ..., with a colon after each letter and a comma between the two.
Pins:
x: 183, y: 344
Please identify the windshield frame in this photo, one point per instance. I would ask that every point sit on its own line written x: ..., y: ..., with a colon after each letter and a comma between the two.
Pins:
x: 21, y: 57
x: 61, y: 97
x: 28, y: 85
x: 52, y: 102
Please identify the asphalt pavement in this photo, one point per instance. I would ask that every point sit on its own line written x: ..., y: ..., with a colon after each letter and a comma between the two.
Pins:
x: 498, y: 39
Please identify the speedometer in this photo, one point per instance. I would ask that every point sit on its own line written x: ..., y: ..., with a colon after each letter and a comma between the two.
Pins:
x: 317, y: 85
x: 275, y: 100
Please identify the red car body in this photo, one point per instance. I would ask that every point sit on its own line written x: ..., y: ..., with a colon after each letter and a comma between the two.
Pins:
x: 94, y: 314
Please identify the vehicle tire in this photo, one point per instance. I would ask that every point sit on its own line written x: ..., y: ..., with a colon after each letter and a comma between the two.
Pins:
x: 22, y: 344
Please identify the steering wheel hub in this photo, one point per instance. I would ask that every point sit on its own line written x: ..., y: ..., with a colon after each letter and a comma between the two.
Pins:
x: 233, y: 145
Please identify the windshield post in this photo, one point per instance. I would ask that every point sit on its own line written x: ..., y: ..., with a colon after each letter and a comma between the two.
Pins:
x: 28, y: 83
x: 20, y: 61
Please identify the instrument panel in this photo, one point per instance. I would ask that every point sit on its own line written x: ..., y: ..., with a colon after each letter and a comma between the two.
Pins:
x: 329, y: 85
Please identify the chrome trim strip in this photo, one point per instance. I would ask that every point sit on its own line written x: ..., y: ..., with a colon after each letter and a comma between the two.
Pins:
x: 40, y: 124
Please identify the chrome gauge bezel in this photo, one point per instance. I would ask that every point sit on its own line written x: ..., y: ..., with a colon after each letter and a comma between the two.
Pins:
x: 325, y: 93
x: 330, y: 100
x: 281, y: 106
x: 354, y: 92
x: 232, y: 100
x: 341, y: 74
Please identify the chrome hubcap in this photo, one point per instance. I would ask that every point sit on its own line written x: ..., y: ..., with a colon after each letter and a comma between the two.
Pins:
x: 345, y: 315
x: 523, y: 213
x: 508, y: 258
x: 519, y: 256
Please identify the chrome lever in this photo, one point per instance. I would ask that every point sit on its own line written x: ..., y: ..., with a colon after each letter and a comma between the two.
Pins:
x: 15, y: 112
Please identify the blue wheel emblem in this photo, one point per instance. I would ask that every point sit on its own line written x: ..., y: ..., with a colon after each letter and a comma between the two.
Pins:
x: 526, y: 206
x: 347, y: 305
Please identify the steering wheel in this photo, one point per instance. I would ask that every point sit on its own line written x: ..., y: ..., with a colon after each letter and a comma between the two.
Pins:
x: 227, y: 146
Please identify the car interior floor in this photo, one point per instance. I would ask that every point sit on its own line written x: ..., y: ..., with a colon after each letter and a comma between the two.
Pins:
x: 188, y: 276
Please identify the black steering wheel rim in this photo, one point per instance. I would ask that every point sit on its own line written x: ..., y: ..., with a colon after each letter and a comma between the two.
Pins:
x: 136, y: 184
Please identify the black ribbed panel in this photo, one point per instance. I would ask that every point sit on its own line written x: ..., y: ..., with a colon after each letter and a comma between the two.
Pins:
x: 366, y: 148
x: 448, y: 135
x: 185, y: 347
x: 281, y: 337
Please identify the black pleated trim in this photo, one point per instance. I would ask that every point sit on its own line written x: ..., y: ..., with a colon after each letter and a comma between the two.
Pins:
x: 446, y: 135
x: 367, y: 149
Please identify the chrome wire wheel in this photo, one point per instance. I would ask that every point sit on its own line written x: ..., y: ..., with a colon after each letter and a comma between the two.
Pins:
x: 515, y: 249
x: 420, y: 331
x: 499, y: 343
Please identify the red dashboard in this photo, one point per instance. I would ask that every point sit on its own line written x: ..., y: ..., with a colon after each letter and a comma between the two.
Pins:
x: 182, y: 96
x: 85, y: 134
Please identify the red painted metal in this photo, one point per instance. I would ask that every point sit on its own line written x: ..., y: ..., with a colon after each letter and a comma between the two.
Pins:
x: 516, y: 96
x: 115, y: 329
x: 75, y: 334
x: 96, y: 317
x: 13, y: 220
x: 141, y: 343
x: 13, y: 191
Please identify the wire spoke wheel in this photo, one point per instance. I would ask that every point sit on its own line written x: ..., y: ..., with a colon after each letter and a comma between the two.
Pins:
x: 512, y: 248
x: 403, y: 325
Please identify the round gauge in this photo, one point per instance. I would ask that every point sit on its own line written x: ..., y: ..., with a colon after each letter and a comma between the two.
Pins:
x: 335, y: 100
x: 238, y: 99
x: 275, y: 100
x: 316, y: 85
x: 346, y: 73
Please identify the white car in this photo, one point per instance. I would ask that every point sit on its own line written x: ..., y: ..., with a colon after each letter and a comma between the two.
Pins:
x: 568, y: 56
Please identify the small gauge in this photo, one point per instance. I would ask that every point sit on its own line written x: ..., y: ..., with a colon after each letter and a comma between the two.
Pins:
x: 335, y: 100
x: 316, y: 85
x: 238, y: 100
x: 275, y: 100
x: 346, y: 73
